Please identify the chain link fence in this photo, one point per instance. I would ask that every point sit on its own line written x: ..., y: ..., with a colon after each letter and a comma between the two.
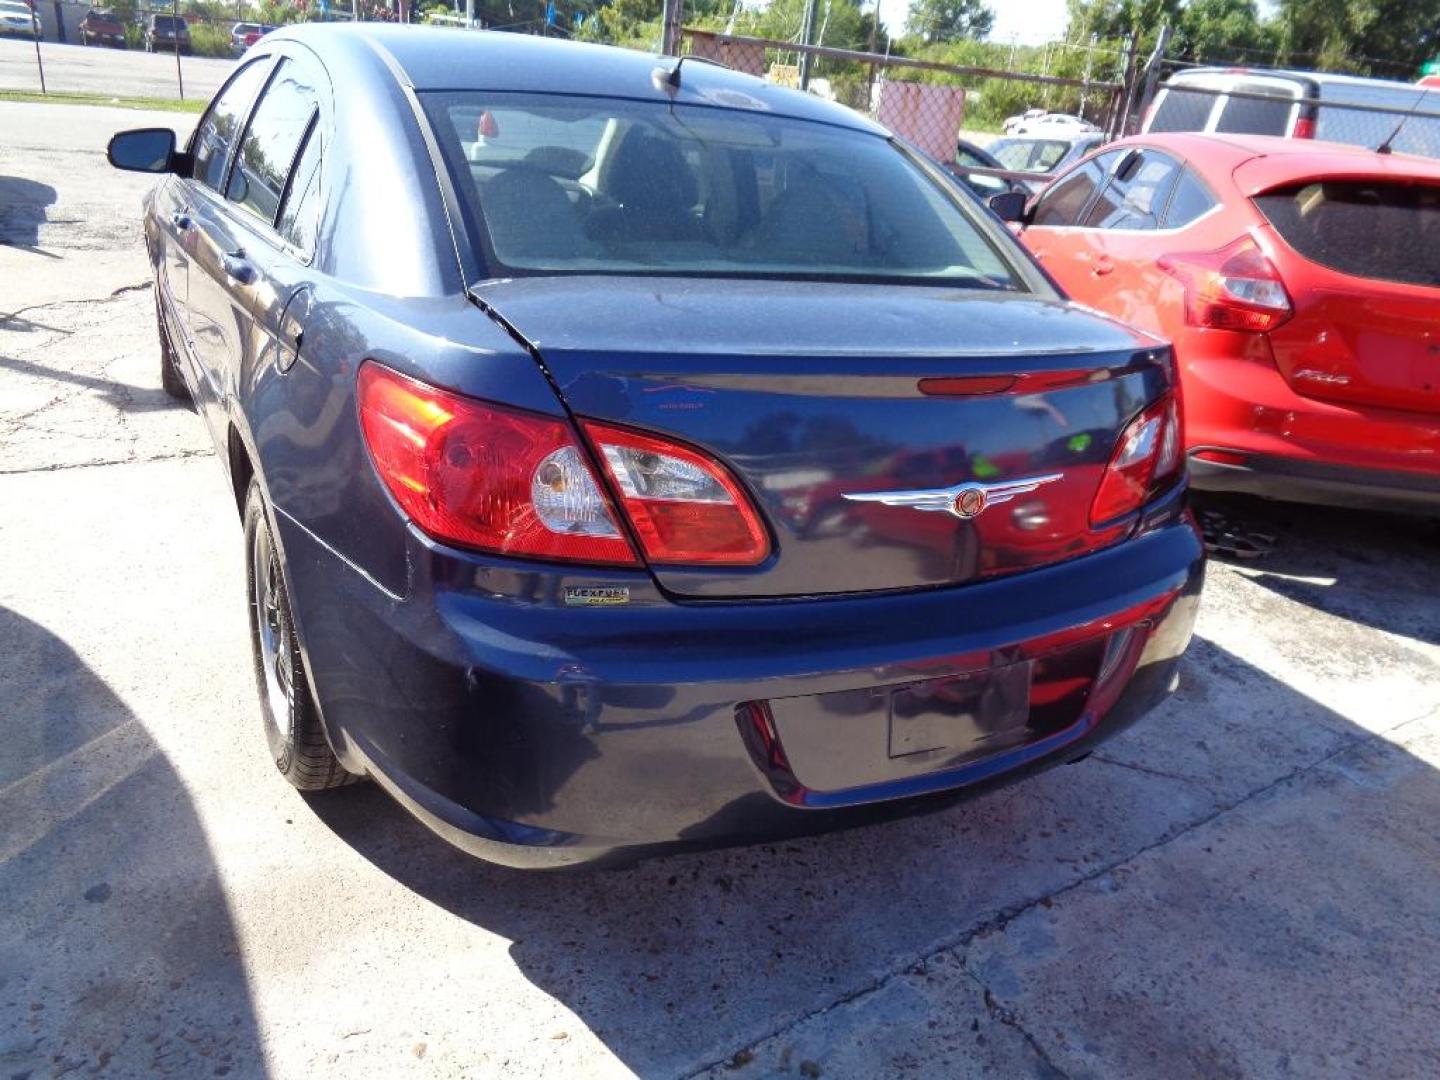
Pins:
x: 932, y: 105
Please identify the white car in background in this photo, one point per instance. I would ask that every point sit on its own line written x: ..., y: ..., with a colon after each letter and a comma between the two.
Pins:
x: 1013, y: 122
x: 1056, y: 125
x: 18, y: 19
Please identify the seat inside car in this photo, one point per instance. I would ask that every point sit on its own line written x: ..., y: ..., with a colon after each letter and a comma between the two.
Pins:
x: 527, y: 210
x: 655, y: 190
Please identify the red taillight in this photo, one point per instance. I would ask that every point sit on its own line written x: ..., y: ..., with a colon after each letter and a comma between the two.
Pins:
x: 1147, y: 455
x: 685, y: 507
x: 483, y: 476
x: 1235, y: 288
x: 1304, y: 128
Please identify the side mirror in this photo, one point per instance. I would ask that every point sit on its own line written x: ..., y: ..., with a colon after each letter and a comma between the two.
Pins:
x: 148, y: 150
x: 1009, y: 206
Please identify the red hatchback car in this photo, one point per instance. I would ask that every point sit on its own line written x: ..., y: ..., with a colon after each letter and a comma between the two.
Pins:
x: 1300, y: 284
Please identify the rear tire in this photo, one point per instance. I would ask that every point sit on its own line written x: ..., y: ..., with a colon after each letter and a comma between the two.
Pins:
x: 171, y: 380
x: 292, y: 723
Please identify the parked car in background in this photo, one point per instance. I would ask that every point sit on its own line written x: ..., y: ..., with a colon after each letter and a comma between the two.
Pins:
x: 1300, y: 284
x: 969, y: 156
x: 167, y: 32
x: 1050, y: 154
x: 529, y: 370
x: 245, y: 34
x: 1059, y: 125
x: 1013, y: 122
x: 1360, y: 112
x: 101, y: 27
x: 17, y: 19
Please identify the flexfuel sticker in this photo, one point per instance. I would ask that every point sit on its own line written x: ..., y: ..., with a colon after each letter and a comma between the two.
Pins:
x: 596, y: 595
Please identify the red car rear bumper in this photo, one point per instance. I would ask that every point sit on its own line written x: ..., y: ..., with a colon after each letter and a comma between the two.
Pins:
x: 1248, y: 430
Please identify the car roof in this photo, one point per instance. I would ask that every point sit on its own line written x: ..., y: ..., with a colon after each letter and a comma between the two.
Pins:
x: 443, y: 58
x: 1271, y: 160
x: 1283, y: 73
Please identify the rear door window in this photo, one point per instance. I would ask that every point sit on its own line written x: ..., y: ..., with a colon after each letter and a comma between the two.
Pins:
x: 300, y: 215
x: 1191, y: 201
x: 218, y: 127
x: 1066, y: 200
x: 1136, y: 193
x: 272, y: 140
x: 1182, y: 109
x: 1251, y: 116
x: 1382, y: 231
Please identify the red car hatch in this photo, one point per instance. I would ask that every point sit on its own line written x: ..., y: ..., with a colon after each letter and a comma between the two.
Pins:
x: 1359, y: 250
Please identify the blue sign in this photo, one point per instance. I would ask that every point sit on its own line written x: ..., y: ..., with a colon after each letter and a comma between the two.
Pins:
x: 550, y: 13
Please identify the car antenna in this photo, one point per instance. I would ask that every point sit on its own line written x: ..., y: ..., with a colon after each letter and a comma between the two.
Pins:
x: 670, y: 79
x: 1384, y: 147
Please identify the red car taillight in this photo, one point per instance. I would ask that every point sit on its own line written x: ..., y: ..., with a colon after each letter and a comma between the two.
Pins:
x: 483, y: 476
x: 498, y: 479
x: 1235, y: 288
x: 685, y: 507
x: 1147, y: 455
x: 1304, y: 128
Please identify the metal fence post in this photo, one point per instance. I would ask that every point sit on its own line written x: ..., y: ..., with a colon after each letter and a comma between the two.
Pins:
x: 674, y: 15
x: 175, y: 38
x: 39, y: 63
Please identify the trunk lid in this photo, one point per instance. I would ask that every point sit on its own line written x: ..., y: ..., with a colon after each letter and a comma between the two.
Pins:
x: 1358, y: 257
x: 811, y: 392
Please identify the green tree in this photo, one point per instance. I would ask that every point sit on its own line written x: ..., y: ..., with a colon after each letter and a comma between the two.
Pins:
x: 949, y: 20
x: 1381, y: 37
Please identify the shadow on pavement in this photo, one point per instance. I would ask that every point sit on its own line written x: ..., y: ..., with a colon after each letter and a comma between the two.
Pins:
x: 24, y: 205
x: 123, y: 396
x: 117, y: 950
x: 1350, y: 564
x: 684, y: 959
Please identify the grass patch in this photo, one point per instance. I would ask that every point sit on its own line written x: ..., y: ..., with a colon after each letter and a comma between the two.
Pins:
x: 189, y: 105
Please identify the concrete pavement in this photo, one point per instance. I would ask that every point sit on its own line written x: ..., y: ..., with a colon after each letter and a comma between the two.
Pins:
x: 1245, y: 884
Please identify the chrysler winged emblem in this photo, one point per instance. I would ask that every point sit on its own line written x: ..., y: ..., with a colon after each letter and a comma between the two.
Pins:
x: 965, y: 501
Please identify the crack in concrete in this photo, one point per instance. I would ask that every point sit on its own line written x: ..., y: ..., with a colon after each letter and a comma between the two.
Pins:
x: 1160, y: 773
x: 1002, y: 1015
x: 179, y: 455
x: 999, y: 920
x: 11, y: 316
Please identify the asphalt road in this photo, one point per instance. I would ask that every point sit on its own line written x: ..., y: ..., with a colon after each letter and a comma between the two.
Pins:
x: 1247, y: 884
x: 121, y: 72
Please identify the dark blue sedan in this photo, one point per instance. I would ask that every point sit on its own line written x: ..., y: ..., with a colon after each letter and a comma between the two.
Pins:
x: 635, y: 454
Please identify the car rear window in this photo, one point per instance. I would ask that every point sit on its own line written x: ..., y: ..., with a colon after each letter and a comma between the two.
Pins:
x: 1383, y: 231
x: 1182, y: 110
x: 599, y: 185
x: 1419, y: 133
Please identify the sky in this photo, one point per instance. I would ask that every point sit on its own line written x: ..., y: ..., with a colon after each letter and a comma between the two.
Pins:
x: 1033, y: 22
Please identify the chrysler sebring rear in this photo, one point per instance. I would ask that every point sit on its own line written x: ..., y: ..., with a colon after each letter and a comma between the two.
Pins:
x: 634, y: 456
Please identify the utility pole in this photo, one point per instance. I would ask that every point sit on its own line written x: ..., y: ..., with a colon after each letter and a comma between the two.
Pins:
x: 807, y: 30
x: 674, y: 18
x: 1089, y: 58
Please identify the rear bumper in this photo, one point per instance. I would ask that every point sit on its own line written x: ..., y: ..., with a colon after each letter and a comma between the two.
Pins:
x: 1303, y: 449
x: 1316, y: 482
x: 534, y: 734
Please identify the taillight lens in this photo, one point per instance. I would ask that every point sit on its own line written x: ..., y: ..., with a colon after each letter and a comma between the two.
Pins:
x: 1235, y: 288
x: 1304, y: 128
x: 685, y: 507
x: 1147, y: 455
x: 484, y: 476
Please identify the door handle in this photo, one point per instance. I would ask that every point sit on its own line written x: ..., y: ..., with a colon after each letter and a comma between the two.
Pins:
x: 236, y: 268
x: 181, y: 220
x: 1103, y: 266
